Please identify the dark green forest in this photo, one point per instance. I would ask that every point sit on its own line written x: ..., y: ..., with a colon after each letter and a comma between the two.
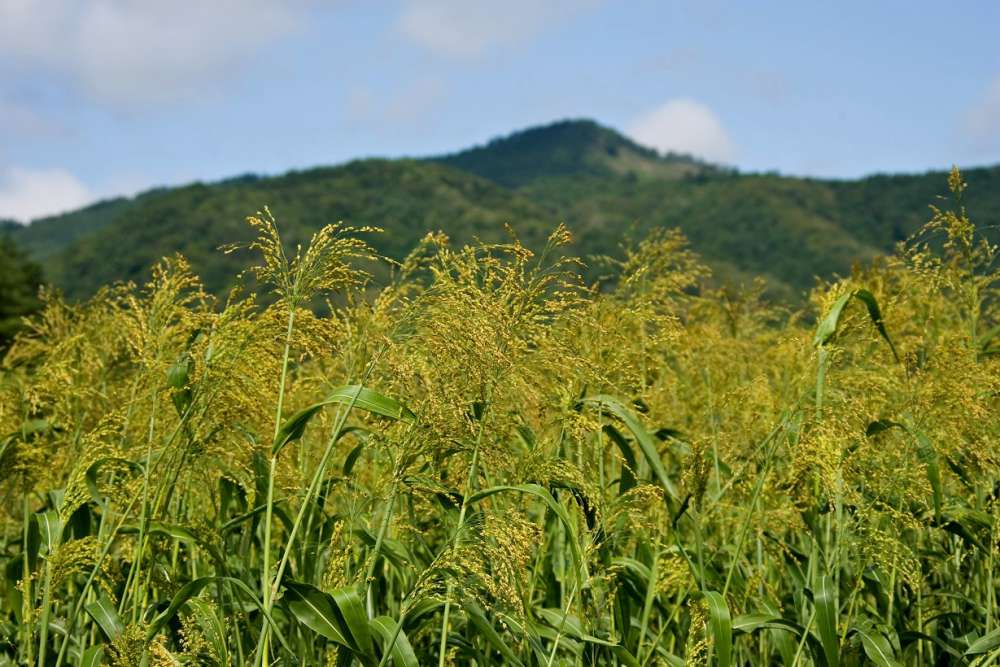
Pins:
x: 20, y: 279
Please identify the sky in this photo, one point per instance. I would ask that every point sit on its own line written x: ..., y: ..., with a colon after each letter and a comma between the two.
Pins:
x: 100, y: 98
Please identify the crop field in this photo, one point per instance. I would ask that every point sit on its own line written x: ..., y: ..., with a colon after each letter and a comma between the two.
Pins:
x: 485, y: 460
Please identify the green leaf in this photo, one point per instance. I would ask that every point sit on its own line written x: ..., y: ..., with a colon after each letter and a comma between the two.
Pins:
x: 178, y: 533
x: 720, y: 622
x: 352, y: 458
x: 827, y: 328
x: 93, y: 657
x: 212, y: 627
x: 339, y: 615
x: 349, y: 395
x: 907, y: 637
x: 646, y: 441
x: 985, y: 643
x: 627, y: 479
x: 557, y: 509
x: 355, y: 619
x: 50, y: 528
x: 875, y: 315
x: 876, y: 646
x: 485, y: 629
x: 825, y: 599
x: 401, y: 650
x: 316, y: 610
x: 750, y: 623
x: 192, y: 588
x: 103, y: 611
x: 928, y: 456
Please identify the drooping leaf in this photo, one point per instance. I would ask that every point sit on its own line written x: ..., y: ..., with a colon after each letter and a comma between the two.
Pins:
x: 876, y: 646
x: 400, y: 649
x: 647, y: 444
x: 316, y: 610
x: 349, y: 395
x: 192, y: 588
x: 486, y: 630
x: 560, y: 511
x: 827, y: 328
x: 104, y: 613
x: 987, y: 642
x: 750, y: 623
x: 211, y: 626
x: 93, y: 657
x: 50, y: 529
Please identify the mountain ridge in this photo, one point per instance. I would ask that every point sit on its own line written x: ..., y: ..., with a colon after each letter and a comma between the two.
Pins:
x: 603, y: 185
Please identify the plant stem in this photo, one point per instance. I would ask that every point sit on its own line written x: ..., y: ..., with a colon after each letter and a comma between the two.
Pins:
x: 43, y: 638
x: 473, y: 468
x: 370, y: 575
x: 265, y: 573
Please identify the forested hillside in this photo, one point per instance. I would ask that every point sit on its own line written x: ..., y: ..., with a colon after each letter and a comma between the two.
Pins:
x: 603, y: 186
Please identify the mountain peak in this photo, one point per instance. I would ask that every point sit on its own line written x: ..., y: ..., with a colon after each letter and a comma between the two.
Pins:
x: 572, y: 147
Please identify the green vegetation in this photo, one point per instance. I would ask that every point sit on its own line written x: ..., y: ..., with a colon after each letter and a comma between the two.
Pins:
x: 603, y: 186
x: 20, y: 280
x: 488, y: 460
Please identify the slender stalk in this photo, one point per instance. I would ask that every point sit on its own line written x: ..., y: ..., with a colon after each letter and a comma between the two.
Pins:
x: 768, y: 457
x: 81, y: 598
x: 265, y: 572
x: 310, y: 492
x: 43, y: 635
x: 135, y: 571
x: 562, y: 625
x: 473, y: 471
x: 647, y: 607
x: 386, y: 519
x: 26, y: 578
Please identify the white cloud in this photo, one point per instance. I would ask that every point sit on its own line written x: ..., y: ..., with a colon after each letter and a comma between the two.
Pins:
x: 684, y: 126
x: 138, y: 53
x: 466, y: 29
x: 982, y: 123
x: 26, y: 194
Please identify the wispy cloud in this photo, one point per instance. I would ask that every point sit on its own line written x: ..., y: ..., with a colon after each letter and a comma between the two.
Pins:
x: 684, y: 126
x: 26, y: 194
x: 127, y: 53
x: 463, y: 29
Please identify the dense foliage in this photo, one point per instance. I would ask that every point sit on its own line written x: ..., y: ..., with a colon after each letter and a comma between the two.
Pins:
x: 602, y: 185
x: 488, y: 461
x: 20, y: 280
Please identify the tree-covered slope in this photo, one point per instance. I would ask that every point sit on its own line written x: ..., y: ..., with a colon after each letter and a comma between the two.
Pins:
x: 405, y: 198
x: 602, y: 185
x: 20, y: 279
x: 570, y: 148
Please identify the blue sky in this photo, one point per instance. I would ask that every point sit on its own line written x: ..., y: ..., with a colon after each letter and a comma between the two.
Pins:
x: 107, y: 97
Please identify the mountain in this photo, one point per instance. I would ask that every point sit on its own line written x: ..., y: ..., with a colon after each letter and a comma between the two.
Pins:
x: 569, y: 149
x: 604, y: 186
x: 406, y: 198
